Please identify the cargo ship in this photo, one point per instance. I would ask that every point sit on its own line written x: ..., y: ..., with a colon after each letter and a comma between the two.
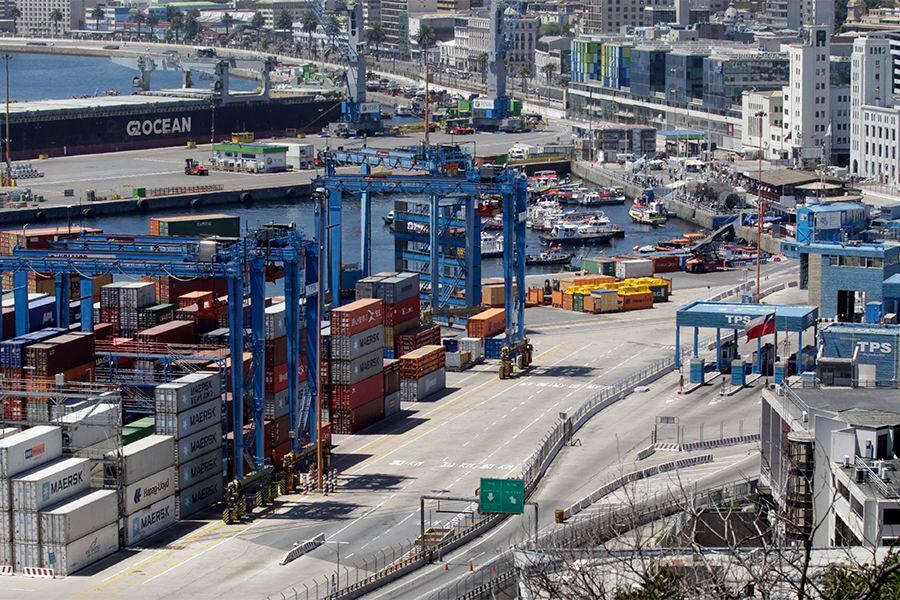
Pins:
x: 117, y: 123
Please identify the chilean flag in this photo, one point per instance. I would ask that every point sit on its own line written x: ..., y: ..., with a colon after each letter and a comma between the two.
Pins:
x: 760, y: 326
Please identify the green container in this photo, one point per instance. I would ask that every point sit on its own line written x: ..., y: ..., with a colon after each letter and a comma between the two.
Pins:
x: 138, y: 430
x: 501, y: 159
x: 464, y: 106
x: 515, y: 107
x: 201, y: 226
x: 578, y: 302
x: 599, y: 266
x: 660, y: 293
x: 139, y: 193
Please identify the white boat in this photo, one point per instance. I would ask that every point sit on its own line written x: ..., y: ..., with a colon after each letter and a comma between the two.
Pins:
x: 491, y: 245
x: 582, y: 233
x: 403, y: 111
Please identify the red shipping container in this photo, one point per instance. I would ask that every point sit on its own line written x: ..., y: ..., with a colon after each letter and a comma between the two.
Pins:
x: 665, y: 264
x: 168, y: 289
x: 248, y: 370
x: 414, y: 339
x: 357, y: 316
x: 276, y: 352
x: 394, y: 314
x: 276, y: 379
x: 173, y: 332
x: 104, y: 331
x: 277, y: 431
x: 350, y: 397
x: 351, y: 421
x: 326, y: 433
x: 13, y: 409
x: 391, y: 376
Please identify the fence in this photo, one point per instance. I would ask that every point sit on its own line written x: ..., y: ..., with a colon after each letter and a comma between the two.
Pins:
x: 376, y: 570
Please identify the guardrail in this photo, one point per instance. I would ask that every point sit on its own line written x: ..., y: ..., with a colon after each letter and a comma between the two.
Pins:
x: 533, y: 470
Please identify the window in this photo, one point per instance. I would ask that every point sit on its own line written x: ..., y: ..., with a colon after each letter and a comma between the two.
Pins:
x: 891, y: 516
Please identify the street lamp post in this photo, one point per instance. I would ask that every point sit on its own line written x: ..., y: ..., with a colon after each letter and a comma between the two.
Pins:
x: 760, y: 204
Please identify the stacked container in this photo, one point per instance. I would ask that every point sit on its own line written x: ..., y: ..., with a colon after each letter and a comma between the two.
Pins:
x: 19, y: 453
x: 134, y: 297
x: 191, y: 410
x: 79, y: 531
x: 391, y: 376
x: 402, y: 305
x: 356, y: 365
x: 487, y: 323
x: 422, y: 373
x: 35, y: 490
x: 69, y: 356
x: 417, y: 337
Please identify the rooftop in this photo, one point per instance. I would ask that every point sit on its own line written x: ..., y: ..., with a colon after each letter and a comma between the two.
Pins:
x: 831, y: 206
x: 852, y: 404
x: 779, y: 177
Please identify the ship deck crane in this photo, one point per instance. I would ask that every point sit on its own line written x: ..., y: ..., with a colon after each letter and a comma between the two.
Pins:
x: 489, y: 113
x: 232, y: 260
x: 358, y: 117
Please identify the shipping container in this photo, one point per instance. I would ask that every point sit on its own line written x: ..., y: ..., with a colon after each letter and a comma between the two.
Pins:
x: 394, y: 314
x: 173, y: 332
x: 76, y: 517
x: 141, y: 459
x: 138, y: 430
x: 487, y: 323
x: 202, y: 495
x: 391, y: 376
x: 29, y: 449
x: 599, y: 266
x: 190, y: 421
x: 493, y: 346
x: 137, y: 295
x: 153, y: 488
x: 348, y: 372
x: 352, y: 421
x: 365, y: 287
x: 415, y: 338
x: 394, y: 290
x: 277, y: 431
x: 187, y: 392
x: 89, y: 425
x: 168, y: 289
x: 5, y: 495
x: 66, y: 559
x: 200, y: 469
x: 275, y: 323
x: 349, y: 397
x: 26, y: 554
x: 50, y: 483
x: 219, y: 225
x: 357, y: 316
x: 417, y: 390
x: 419, y: 363
x: 392, y: 404
x: 277, y: 405
x: 668, y: 263
x: 149, y: 521
x: 494, y: 294
x: 636, y: 267
x: 351, y: 347
x: 276, y: 351
x: 6, y: 553
x: 473, y: 345
x: 6, y: 533
x: 198, y: 444
x: 391, y: 333
x: 276, y: 380
x: 26, y: 526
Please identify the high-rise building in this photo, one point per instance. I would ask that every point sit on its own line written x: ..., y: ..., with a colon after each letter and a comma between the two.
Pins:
x: 610, y: 16
x: 395, y: 20
x: 796, y: 14
x: 807, y: 98
x: 874, y: 118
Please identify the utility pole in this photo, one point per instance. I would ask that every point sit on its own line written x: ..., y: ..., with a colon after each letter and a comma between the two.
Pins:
x: 320, y: 308
x: 761, y: 211
x: 7, y: 176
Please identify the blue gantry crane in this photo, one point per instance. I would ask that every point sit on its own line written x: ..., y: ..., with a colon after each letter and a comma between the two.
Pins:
x: 358, y: 117
x: 233, y: 260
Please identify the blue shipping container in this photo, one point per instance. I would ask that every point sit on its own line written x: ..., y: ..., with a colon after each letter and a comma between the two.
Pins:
x: 390, y: 353
x: 41, y: 313
x: 494, y: 346
x: 451, y: 344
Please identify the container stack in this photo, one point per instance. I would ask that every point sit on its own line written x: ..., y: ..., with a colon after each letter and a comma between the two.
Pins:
x: 190, y: 409
x: 40, y: 239
x: 41, y: 314
x: 69, y: 356
x: 422, y: 373
x: 79, y: 531
x: 391, y: 375
x: 154, y: 315
x: 19, y: 453
x: 356, y: 365
x: 133, y: 297
x: 34, y: 490
x: 402, y: 306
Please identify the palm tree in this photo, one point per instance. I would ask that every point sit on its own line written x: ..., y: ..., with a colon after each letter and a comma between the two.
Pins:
x: 191, y: 24
x: 377, y: 36
x: 227, y: 20
x: 14, y: 14
x: 257, y: 21
x: 482, y: 65
x: 425, y: 39
x: 523, y: 73
x: 56, y: 17
x: 309, y: 23
x: 284, y: 21
x: 152, y: 22
x: 176, y: 24
x: 139, y: 18
x: 96, y: 15
x: 548, y: 70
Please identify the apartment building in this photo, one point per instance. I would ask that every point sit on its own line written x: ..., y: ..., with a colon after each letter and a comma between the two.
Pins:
x: 36, y: 16
x: 875, y: 118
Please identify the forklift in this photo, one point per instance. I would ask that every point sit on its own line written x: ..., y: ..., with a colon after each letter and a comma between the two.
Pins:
x: 192, y: 167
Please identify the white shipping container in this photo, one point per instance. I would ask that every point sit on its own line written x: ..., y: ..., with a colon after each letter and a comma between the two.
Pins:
x: 5, y: 431
x: 153, y: 488
x: 200, y: 469
x: 275, y: 325
x: 143, y: 458
x: 65, y: 559
x: 28, y: 449
x: 474, y: 346
x: 638, y: 267
x: 5, y: 526
x: 26, y: 554
x: 139, y: 294
x: 26, y: 526
x: 198, y: 444
x: 200, y: 496
x: 90, y: 425
x: 392, y: 404
x: 349, y: 347
x: 348, y: 372
x: 187, y: 392
x: 5, y: 497
x: 77, y: 517
x: 277, y: 405
x: 6, y: 553
x: 150, y: 521
x: 416, y: 390
x: 190, y: 421
x: 52, y: 483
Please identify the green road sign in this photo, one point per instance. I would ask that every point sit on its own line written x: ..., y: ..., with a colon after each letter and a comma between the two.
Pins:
x: 502, y: 496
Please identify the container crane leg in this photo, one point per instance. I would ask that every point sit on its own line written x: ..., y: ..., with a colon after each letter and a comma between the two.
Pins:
x: 236, y: 351
x: 292, y: 300
x: 435, y: 250
x: 20, y: 294
x: 365, y: 220
x: 87, y: 303
x: 334, y: 246
x: 257, y: 338
x: 62, y: 283
x: 313, y: 324
x: 473, y: 252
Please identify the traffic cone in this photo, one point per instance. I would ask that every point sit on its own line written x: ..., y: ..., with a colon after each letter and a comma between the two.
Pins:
x: 493, y: 568
x: 446, y: 566
x: 471, y: 566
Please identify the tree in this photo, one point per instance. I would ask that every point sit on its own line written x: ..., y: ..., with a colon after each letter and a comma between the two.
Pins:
x: 192, y: 24
x: 523, y: 73
x: 283, y: 21
x: 56, y: 17
x: 377, y: 36
x: 548, y: 70
x: 97, y: 14
x: 551, y: 29
x: 14, y: 14
x: 309, y: 23
x: 425, y: 40
x: 176, y: 24
x: 257, y: 21
x: 482, y: 65
x: 227, y: 20
x: 138, y: 18
x: 152, y: 22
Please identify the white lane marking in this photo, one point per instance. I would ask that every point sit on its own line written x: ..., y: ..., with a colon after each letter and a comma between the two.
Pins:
x: 405, y: 519
x: 151, y: 554
x: 52, y: 182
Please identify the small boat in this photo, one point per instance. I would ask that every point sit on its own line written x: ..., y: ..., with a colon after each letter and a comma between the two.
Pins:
x: 491, y: 245
x: 403, y: 111
x: 552, y: 257
x: 648, y: 211
x: 565, y: 232
x: 645, y: 249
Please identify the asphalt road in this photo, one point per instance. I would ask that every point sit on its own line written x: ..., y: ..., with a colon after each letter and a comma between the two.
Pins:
x: 481, y: 427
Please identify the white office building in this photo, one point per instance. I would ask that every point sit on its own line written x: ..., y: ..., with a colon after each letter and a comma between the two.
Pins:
x: 762, y: 126
x: 37, y: 16
x: 807, y: 99
x: 610, y: 16
x: 875, y: 118
x: 797, y: 14
x: 471, y: 40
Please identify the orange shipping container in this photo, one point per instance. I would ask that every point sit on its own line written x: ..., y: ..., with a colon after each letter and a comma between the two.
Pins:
x: 593, y: 280
x: 487, y: 323
x: 557, y: 299
x: 567, y: 300
x: 195, y: 299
